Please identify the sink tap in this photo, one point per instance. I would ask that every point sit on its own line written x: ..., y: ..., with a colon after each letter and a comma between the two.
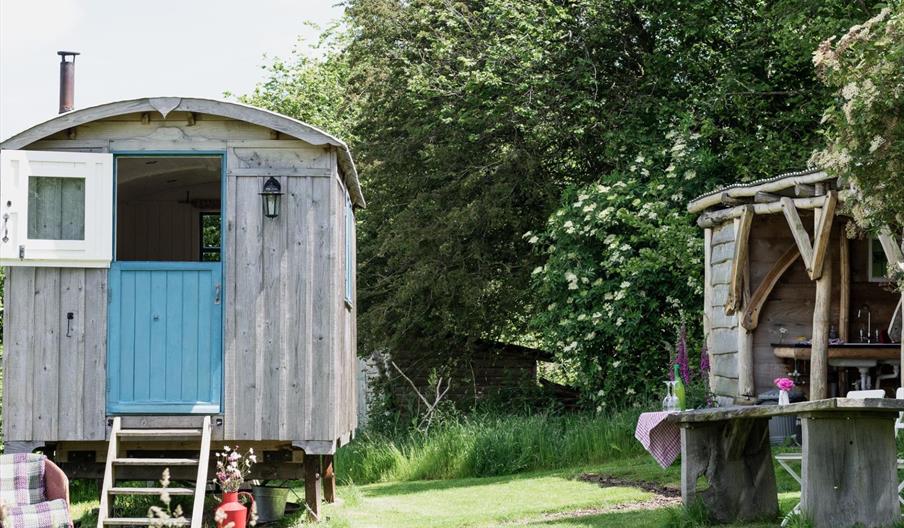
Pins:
x: 869, y: 323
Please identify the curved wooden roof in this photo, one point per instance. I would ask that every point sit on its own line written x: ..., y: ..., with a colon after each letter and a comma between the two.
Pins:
x: 165, y: 105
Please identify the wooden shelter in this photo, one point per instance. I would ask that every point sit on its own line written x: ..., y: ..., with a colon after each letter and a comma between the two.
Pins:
x: 789, y: 289
x: 148, y: 284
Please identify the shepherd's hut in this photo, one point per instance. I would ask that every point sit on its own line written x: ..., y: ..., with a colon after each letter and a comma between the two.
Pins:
x: 178, y: 271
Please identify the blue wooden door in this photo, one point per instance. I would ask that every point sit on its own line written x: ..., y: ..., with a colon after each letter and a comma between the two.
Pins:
x: 165, y: 338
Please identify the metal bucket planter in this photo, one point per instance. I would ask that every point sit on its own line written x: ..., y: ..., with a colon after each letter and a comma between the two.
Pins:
x: 271, y: 503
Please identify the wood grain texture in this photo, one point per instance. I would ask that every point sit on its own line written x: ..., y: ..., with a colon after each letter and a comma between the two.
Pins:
x: 746, y: 370
x: 313, y: 493
x: 55, y: 383
x: 842, y: 406
x: 739, y: 261
x: 735, y: 459
x: 848, y: 471
x: 823, y: 233
x: 719, y: 217
x: 844, y: 298
x: 770, y: 186
x: 822, y: 312
x: 751, y: 315
x: 801, y: 237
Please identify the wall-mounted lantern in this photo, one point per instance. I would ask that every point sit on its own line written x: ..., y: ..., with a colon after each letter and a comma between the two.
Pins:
x: 271, y: 195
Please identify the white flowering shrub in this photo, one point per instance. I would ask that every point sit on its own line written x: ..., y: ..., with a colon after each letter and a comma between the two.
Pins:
x: 864, y: 128
x: 624, y: 268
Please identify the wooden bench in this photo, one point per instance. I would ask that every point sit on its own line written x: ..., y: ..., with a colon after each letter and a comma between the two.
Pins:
x: 849, y: 461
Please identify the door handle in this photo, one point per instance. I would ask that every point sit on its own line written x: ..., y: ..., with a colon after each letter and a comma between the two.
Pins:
x: 5, y: 228
x: 216, y: 296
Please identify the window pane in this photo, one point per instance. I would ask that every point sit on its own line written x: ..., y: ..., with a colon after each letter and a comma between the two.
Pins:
x: 210, y: 237
x: 210, y: 230
x: 210, y: 256
x: 880, y: 262
x: 56, y: 208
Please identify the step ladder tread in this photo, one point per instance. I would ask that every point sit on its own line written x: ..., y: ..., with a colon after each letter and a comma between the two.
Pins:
x: 159, y: 432
x: 155, y: 461
x: 141, y: 521
x: 151, y: 491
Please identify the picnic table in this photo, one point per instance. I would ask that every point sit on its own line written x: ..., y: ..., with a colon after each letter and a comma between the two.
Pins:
x: 849, y: 468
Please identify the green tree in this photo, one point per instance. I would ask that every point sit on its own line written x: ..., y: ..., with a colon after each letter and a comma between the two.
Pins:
x: 864, y: 124
x: 733, y: 98
x: 473, y: 122
x: 311, y: 86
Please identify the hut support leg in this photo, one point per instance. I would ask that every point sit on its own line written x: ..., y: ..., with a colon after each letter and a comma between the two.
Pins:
x: 329, y: 479
x: 312, y: 486
x: 735, y: 460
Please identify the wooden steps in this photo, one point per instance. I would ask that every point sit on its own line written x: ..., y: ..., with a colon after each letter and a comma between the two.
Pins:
x: 161, y: 435
x: 116, y: 458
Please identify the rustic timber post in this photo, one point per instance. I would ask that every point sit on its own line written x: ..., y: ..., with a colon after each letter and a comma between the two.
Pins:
x: 817, y: 259
x: 819, y: 353
x: 329, y: 479
x: 738, y: 299
x: 844, y: 302
x: 312, y: 488
x: 822, y: 309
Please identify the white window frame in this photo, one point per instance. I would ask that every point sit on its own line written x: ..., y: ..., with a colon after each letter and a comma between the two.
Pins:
x: 16, y: 248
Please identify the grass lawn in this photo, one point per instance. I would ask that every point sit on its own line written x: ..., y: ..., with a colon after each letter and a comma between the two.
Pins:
x: 550, y: 499
x: 544, y: 499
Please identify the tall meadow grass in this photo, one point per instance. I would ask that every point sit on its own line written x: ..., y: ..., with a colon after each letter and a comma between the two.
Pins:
x: 490, y: 445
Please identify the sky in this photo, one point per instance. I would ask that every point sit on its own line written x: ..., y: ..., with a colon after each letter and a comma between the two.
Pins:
x: 143, y: 48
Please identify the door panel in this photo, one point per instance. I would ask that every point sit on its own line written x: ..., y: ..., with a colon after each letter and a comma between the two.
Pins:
x: 165, y: 353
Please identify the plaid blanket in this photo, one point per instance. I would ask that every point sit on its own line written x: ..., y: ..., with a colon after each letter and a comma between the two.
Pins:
x: 22, y: 479
x: 51, y: 514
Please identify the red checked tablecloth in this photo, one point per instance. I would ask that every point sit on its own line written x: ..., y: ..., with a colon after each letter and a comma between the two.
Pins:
x: 659, y: 436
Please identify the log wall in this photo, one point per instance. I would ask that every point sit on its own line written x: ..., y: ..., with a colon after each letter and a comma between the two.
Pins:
x: 723, y: 337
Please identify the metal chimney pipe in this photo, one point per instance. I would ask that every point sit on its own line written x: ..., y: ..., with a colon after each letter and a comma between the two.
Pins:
x: 67, y: 80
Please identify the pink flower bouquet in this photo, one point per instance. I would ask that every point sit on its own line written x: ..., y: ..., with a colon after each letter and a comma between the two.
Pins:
x: 233, y: 467
x: 785, y: 384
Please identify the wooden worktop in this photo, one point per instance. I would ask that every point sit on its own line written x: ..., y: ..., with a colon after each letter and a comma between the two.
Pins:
x: 880, y: 405
x: 845, y: 351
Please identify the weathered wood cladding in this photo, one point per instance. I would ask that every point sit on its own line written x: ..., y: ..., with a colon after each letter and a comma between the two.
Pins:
x: 54, y: 373
x: 289, y: 335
